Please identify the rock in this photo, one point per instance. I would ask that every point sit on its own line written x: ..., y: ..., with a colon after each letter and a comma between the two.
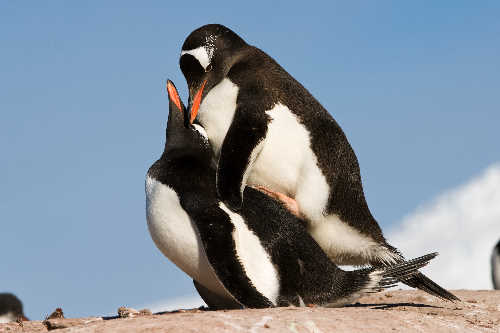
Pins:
x: 396, y: 311
x: 124, y: 312
x: 58, y: 313
x: 59, y: 323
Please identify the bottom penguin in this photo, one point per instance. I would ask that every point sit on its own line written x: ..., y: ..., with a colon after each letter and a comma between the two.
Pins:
x: 262, y: 256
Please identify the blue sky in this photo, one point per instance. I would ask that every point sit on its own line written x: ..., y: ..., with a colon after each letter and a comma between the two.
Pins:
x: 415, y: 86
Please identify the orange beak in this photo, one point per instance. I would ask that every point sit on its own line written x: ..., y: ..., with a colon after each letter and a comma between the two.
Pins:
x: 174, y: 95
x: 197, y: 102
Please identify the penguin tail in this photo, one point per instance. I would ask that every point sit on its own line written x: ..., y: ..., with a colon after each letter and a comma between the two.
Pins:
x: 371, y: 280
x: 420, y: 281
x: 423, y: 283
x: 402, y: 271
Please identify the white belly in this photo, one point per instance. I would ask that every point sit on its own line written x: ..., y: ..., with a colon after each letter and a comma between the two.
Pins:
x: 287, y: 164
x: 176, y: 236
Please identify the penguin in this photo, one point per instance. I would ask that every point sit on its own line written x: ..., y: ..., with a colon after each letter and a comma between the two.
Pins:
x: 170, y: 227
x: 495, y: 266
x: 11, y: 308
x: 267, y: 130
x: 234, y: 258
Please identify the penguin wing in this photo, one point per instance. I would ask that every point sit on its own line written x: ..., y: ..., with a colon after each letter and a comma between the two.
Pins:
x: 241, y: 146
x: 216, y: 233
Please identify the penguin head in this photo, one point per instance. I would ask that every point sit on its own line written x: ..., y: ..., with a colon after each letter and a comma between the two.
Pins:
x: 183, y: 138
x: 206, y: 57
x: 10, y: 304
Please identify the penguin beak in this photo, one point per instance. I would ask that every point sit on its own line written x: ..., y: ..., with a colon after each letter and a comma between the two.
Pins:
x: 174, y: 95
x: 196, y: 102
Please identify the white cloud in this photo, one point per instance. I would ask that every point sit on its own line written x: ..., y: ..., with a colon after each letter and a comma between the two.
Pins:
x: 184, y: 302
x: 463, y: 225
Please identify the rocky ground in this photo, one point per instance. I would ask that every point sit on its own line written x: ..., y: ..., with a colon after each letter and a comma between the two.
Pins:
x: 393, y: 311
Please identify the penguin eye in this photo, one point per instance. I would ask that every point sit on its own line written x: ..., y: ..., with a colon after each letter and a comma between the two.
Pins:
x: 191, y: 68
x: 209, y: 68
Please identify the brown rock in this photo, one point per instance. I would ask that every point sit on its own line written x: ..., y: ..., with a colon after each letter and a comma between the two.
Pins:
x: 124, y: 312
x: 398, y: 311
x: 58, y: 313
x: 59, y: 323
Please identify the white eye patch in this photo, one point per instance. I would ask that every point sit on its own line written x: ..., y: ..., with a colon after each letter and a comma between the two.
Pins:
x: 200, y: 54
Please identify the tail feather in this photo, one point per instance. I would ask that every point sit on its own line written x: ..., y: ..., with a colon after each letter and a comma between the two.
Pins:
x: 389, y: 276
x: 422, y: 282
x: 404, y: 270
x: 369, y: 280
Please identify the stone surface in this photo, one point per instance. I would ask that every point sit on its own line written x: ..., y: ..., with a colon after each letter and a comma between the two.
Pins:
x: 392, y: 311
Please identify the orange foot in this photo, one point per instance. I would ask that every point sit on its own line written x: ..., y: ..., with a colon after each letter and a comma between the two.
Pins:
x: 288, y: 202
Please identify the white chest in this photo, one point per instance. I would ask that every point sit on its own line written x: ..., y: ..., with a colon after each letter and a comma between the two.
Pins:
x: 217, y: 111
x: 176, y: 236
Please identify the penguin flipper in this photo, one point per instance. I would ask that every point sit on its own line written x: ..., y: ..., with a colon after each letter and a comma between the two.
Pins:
x: 214, y: 301
x: 239, y: 150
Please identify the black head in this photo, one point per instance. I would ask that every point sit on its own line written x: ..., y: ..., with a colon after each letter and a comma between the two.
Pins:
x: 10, y: 303
x: 182, y: 137
x: 206, y: 57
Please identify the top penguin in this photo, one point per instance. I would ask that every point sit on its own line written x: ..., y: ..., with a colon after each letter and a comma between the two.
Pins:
x: 267, y: 130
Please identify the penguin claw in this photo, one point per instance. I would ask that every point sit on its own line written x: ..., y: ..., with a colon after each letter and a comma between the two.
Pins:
x: 288, y: 202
